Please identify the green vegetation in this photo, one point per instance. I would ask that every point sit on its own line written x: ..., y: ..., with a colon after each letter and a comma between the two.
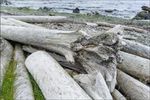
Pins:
x: 7, y: 86
x: 36, y: 90
x: 82, y: 17
x: 7, y: 91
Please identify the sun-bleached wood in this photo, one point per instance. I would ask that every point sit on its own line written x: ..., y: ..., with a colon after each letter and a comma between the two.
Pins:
x: 51, y: 40
x: 98, y: 54
x: 136, y: 49
x: 136, y: 66
x: 95, y: 85
x: 125, y: 27
x: 117, y: 95
x: 22, y: 84
x: 53, y: 80
x: 6, y: 53
x: 39, y: 19
x: 132, y: 88
x: 14, y: 22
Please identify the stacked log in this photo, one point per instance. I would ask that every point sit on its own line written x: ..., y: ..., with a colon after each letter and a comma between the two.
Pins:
x: 117, y: 95
x: 133, y: 88
x: 93, y: 84
x: 136, y: 66
x: 99, y: 55
x: 22, y: 85
x: 6, y: 53
x: 52, y: 79
x: 136, y: 49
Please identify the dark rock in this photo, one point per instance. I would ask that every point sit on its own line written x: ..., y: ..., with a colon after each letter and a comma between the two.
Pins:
x: 146, y: 8
x: 109, y: 11
x: 76, y: 10
x: 145, y: 15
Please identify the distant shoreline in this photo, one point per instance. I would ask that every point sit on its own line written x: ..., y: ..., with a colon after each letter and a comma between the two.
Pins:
x: 123, y: 8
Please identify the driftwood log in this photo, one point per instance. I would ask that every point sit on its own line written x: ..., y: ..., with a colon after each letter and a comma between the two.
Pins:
x: 22, y: 85
x: 132, y: 88
x: 136, y: 66
x: 95, y: 85
x: 6, y: 53
x: 53, y: 80
x: 125, y: 27
x: 136, y: 49
x: 57, y: 42
x: 14, y: 22
x: 99, y: 53
x: 117, y: 95
x: 39, y: 19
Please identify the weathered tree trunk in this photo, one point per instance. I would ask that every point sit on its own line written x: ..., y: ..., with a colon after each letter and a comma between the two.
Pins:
x: 95, y: 85
x: 52, y: 79
x: 6, y: 22
x: 125, y: 27
x: 117, y: 95
x: 51, y: 40
x: 14, y: 22
x: 136, y: 49
x: 136, y: 66
x: 22, y: 85
x: 39, y: 19
x: 6, y: 53
x: 99, y: 53
x: 131, y: 87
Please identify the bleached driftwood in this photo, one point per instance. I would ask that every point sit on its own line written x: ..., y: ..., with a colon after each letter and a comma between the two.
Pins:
x: 53, y: 80
x: 131, y: 87
x: 61, y: 59
x: 125, y: 27
x: 22, y: 85
x: 6, y: 52
x: 117, y: 95
x: 31, y: 49
x: 99, y: 53
x: 6, y: 22
x: 14, y: 22
x: 136, y: 49
x: 39, y: 19
x: 51, y: 40
x: 136, y: 66
x: 95, y: 85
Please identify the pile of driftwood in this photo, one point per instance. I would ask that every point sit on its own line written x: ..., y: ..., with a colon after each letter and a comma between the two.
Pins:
x: 107, y: 66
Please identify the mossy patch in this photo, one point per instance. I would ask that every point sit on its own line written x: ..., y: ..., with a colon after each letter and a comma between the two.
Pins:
x: 7, y: 90
x: 38, y: 95
x: 8, y: 83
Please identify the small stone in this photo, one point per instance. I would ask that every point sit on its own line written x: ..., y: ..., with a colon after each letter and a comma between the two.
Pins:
x: 76, y: 10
